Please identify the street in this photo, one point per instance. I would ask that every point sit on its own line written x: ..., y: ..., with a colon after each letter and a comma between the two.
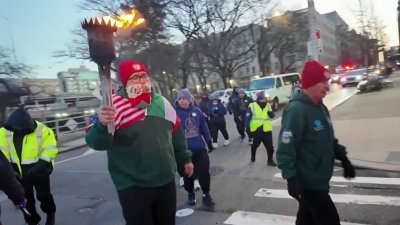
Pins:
x: 245, y: 194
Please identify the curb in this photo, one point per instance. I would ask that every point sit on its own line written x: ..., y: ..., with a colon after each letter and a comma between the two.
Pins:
x: 68, y: 149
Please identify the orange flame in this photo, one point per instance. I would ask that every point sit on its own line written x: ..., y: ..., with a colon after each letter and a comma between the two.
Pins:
x: 127, y: 20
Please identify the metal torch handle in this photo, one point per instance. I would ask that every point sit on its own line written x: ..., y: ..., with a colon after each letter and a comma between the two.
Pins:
x: 106, y: 91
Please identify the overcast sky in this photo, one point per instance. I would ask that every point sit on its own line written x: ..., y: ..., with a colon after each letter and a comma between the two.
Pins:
x: 37, y: 28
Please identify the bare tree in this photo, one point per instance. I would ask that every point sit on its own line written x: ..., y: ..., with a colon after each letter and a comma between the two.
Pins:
x: 215, y: 25
x: 292, y: 34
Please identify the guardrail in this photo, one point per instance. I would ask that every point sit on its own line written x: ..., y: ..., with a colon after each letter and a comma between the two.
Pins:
x: 68, y: 125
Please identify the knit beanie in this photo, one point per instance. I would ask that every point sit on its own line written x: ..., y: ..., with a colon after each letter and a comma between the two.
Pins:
x: 184, y: 93
x: 312, y: 74
x: 241, y: 91
x: 127, y: 68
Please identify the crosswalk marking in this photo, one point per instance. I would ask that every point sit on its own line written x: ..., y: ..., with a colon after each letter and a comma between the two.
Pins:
x: 254, y: 218
x: 362, y: 180
x: 338, y: 198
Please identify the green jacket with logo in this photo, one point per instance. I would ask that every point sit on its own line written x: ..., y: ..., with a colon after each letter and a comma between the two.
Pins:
x: 307, y: 146
x: 144, y: 154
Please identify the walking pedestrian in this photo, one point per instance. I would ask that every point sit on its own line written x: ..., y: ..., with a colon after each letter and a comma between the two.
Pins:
x: 308, y: 147
x: 145, y: 149
x: 258, y: 123
x: 239, y: 108
x: 217, y: 121
x: 197, y: 135
x: 32, y: 149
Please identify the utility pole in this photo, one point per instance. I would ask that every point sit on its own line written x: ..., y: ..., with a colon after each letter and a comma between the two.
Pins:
x: 398, y: 19
x: 312, y: 45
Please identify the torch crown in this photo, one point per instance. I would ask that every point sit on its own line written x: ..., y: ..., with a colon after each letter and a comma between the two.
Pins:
x: 103, y: 22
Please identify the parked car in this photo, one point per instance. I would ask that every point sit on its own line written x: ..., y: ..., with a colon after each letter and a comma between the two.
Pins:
x: 278, y: 87
x: 353, y: 77
x: 222, y: 95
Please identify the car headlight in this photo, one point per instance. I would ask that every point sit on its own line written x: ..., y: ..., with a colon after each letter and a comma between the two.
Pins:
x: 343, y: 79
x: 377, y: 72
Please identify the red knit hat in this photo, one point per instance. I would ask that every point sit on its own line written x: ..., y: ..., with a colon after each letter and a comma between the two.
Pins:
x: 312, y: 74
x: 127, y: 68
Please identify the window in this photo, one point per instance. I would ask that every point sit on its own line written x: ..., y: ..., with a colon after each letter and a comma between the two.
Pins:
x: 259, y: 84
x: 288, y: 80
x: 254, y: 70
x: 278, y: 82
x: 247, y: 69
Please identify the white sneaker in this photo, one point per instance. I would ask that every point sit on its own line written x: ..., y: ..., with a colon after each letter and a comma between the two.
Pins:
x: 215, y: 145
x: 196, y: 185
x: 181, y: 183
x: 226, y: 142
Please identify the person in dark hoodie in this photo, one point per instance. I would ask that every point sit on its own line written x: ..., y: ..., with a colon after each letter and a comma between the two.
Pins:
x: 232, y: 100
x: 258, y: 124
x: 32, y: 149
x: 197, y: 134
x: 307, y: 149
x: 9, y: 183
x: 217, y: 121
x: 204, y: 105
x: 239, y: 112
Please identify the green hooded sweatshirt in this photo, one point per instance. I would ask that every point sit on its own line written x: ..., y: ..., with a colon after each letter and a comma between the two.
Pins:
x: 307, y: 147
x: 144, y: 154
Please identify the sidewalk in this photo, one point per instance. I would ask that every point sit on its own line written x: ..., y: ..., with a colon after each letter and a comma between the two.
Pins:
x: 370, y: 128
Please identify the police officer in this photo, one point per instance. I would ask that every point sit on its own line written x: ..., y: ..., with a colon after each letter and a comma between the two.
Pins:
x: 258, y: 123
x: 31, y: 147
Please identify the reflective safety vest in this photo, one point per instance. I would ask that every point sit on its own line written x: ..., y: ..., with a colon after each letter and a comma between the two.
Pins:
x: 260, y: 117
x: 40, y: 144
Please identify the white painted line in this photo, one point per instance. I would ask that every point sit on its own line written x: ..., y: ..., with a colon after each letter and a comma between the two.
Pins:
x: 338, y: 198
x: 88, y: 152
x: 254, y: 218
x: 362, y: 180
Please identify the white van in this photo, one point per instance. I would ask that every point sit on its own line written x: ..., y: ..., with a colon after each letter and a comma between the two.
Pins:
x: 278, y: 87
x: 223, y: 95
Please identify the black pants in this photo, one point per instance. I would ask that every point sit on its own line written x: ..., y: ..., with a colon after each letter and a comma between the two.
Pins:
x: 240, y: 125
x: 317, y: 208
x: 221, y: 126
x: 43, y: 194
x: 149, y: 206
x: 201, y: 164
x: 266, y: 138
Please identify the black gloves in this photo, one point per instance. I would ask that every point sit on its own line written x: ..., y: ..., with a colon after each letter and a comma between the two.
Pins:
x: 210, y: 147
x: 349, y: 171
x: 271, y: 114
x: 40, y: 169
x: 294, y: 188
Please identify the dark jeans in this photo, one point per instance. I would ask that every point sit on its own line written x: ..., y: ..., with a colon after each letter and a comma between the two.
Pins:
x: 215, y: 127
x: 240, y: 125
x: 317, y: 208
x: 201, y: 164
x: 43, y: 194
x: 266, y: 138
x: 149, y: 206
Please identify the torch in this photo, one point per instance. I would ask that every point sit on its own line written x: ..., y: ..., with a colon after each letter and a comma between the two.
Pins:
x: 100, y: 33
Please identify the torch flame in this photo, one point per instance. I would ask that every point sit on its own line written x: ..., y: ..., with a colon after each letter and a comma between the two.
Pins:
x: 133, y: 19
x: 126, y: 20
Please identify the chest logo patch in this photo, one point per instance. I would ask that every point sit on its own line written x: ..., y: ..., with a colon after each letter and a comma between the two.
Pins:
x: 318, y: 125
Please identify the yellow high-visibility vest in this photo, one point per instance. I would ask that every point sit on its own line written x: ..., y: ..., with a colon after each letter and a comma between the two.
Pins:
x: 40, y: 144
x: 260, y: 117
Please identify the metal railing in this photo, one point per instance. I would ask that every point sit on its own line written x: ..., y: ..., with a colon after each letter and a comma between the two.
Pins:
x: 69, y: 126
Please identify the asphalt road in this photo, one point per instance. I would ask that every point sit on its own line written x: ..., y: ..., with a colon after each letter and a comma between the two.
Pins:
x: 84, y: 192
